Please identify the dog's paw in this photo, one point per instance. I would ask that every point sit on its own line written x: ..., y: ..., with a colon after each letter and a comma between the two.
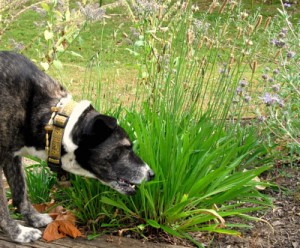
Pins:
x: 27, y: 234
x: 40, y: 220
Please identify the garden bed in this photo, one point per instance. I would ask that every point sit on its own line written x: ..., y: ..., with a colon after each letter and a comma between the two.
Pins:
x: 284, y: 217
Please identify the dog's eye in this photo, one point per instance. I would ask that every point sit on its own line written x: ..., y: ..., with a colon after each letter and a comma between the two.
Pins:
x: 115, y: 154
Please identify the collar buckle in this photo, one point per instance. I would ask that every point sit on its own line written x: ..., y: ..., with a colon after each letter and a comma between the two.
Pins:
x: 60, y: 120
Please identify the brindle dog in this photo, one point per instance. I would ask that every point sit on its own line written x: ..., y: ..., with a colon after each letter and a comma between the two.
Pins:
x: 93, y: 145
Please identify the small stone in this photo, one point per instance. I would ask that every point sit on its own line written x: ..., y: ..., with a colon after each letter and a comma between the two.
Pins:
x: 277, y: 223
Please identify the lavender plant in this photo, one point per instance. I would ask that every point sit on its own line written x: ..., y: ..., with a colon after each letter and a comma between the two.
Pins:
x: 279, y: 106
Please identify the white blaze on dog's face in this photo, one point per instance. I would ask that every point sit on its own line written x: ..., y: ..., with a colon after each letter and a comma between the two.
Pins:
x: 104, y: 151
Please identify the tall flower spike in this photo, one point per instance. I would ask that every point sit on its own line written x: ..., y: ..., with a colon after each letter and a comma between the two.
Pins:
x: 267, y: 23
x: 259, y: 20
x: 223, y: 6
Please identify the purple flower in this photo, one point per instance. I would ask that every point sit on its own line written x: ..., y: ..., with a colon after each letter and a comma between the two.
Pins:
x: 276, y: 71
x: 284, y: 30
x: 282, y: 35
x: 134, y: 32
x: 92, y: 12
x: 267, y: 99
x: 17, y: 46
x: 239, y: 90
x: 281, y: 103
x: 278, y: 43
x: 276, y: 87
x: 261, y: 118
x: 243, y: 83
x: 38, y: 10
x: 223, y: 71
x: 290, y: 54
x: 146, y: 7
x: 271, y: 80
x: 265, y: 76
x: 247, y: 98
x: 287, y: 5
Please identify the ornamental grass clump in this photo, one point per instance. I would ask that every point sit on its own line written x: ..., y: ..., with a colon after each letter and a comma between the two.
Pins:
x: 195, y: 83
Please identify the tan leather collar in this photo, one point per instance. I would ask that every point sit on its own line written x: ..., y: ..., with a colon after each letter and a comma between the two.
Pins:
x: 56, y: 126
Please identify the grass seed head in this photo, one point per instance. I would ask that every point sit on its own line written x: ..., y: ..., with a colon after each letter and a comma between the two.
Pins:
x: 231, y: 60
x: 190, y: 36
x: 240, y: 31
x: 248, y: 42
x: 212, y: 7
x: 232, y: 4
x: 223, y: 6
x: 244, y: 15
x: 250, y: 29
x: 267, y: 23
x: 258, y: 23
x: 254, y: 66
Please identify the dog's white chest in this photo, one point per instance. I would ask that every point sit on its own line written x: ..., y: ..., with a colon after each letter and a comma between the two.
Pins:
x: 32, y: 151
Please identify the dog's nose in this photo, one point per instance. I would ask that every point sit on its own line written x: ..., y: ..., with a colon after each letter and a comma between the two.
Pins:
x: 151, y: 175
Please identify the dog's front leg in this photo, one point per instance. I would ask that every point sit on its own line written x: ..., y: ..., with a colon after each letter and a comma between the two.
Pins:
x: 16, y: 231
x: 15, y: 176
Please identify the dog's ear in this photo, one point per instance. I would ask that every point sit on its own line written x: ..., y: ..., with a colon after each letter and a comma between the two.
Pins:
x: 98, y: 130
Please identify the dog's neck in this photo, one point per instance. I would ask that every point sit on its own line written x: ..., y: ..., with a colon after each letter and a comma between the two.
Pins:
x: 59, y: 132
x: 55, y: 129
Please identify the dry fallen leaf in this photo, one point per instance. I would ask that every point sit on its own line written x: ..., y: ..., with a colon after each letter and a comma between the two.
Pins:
x: 43, y: 207
x: 52, y: 233
x: 53, y: 215
x: 60, y: 229
x: 68, y: 228
x: 63, y: 224
x: 67, y: 217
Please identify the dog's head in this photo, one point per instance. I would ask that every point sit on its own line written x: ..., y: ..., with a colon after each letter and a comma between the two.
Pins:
x: 105, y: 152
